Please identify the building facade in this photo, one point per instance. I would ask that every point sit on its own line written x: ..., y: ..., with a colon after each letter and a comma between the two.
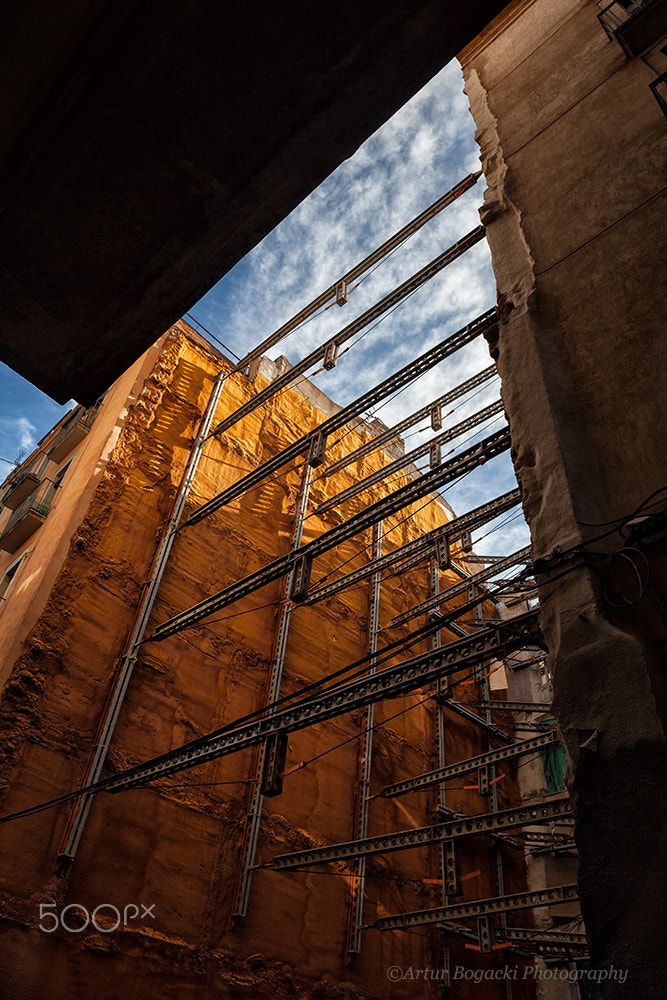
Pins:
x: 201, y: 914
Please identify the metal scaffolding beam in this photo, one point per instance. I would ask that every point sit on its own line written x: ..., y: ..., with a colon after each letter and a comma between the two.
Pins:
x: 458, y: 708
x: 512, y: 706
x: 414, y: 418
x: 421, y: 547
x: 449, y: 771
x: 437, y: 600
x: 484, y: 824
x: 401, y: 378
x: 254, y: 814
x: 479, y: 453
x: 528, y: 941
x: 379, y: 309
x: 362, y: 267
x: 353, y: 943
x: 123, y: 675
x: 502, y: 838
x: 482, y: 907
x: 473, y: 557
x: 388, y: 683
x: 400, y: 463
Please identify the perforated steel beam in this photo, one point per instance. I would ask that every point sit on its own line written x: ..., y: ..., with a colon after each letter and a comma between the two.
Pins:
x: 403, y: 377
x: 362, y: 801
x: 254, y: 814
x: 437, y: 600
x: 486, y: 823
x: 529, y: 941
x: 479, y: 453
x: 450, y: 771
x: 420, y: 547
x: 388, y: 683
x: 362, y: 267
x: 123, y: 676
x: 379, y: 309
x: 457, y: 708
x: 482, y: 907
x: 512, y: 706
x: 400, y: 463
x: 414, y: 418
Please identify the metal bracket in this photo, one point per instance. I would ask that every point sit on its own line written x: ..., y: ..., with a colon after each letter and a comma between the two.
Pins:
x: 274, y: 765
x: 317, y: 450
x: 342, y: 292
x: 331, y: 353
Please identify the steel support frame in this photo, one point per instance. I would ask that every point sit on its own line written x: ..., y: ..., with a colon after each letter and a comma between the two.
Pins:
x: 129, y: 658
x: 471, y: 826
x: 394, y: 298
x: 446, y: 851
x: 434, y: 602
x: 400, y: 463
x: 492, y: 789
x: 362, y: 800
x: 448, y: 397
x: 361, y: 404
x: 477, y: 455
x: 528, y: 942
x: 419, y: 548
x: 362, y: 267
x: 254, y: 815
x: 481, y: 907
x: 446, y: 772
x: 393, y: 681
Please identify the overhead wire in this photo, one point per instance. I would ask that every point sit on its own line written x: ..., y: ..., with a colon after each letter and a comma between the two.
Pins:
x: 392, y: 649
x: 208, y: 333
x: 573, y: 551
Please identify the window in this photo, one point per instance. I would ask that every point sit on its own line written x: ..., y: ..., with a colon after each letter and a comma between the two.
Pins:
x: 8, y: 578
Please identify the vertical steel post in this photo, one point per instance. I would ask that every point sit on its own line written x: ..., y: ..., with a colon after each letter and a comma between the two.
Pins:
x: 254, y: 815
x: 126, y: 666
x: 446, y: 850
x: 355, y: 915
x: 485, y: 687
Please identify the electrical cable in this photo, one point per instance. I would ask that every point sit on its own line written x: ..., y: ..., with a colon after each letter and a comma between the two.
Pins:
x: 406, y: 642
x: 208, y: 333
x: 541, y: 567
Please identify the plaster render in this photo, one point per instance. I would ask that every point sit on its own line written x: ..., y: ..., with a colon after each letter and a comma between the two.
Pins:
x: 574, y: 149
x: 177, y: 844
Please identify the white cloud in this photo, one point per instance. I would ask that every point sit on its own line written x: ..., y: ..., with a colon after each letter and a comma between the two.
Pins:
x: 18, y: 437
x: 418, y: 155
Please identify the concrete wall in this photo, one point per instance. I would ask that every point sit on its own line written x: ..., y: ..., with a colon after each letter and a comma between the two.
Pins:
x: 574, y: 149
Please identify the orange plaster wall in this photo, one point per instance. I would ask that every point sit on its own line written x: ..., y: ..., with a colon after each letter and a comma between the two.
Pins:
x: 177, y: 845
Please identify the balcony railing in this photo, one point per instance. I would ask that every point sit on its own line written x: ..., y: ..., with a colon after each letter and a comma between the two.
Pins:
x: 659, y: 90
x: 17, y: 487
x: 72, y: 432
x: 28, y: 516
x: 634, y: 24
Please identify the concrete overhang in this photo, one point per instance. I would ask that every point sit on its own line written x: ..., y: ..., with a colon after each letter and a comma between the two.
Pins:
x: 147, y: 145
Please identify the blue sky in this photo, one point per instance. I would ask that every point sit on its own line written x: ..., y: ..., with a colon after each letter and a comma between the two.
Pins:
x: 26, y: 414
x: 418, y: 155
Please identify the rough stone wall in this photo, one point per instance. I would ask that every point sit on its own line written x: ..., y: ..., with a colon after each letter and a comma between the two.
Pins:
x: 177, y: 845
x: 574, y: 152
